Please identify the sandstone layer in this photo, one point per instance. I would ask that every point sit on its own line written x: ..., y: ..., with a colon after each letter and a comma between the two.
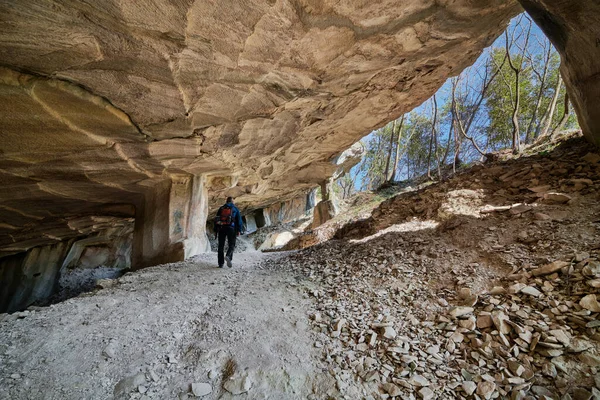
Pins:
x: 155, y: 110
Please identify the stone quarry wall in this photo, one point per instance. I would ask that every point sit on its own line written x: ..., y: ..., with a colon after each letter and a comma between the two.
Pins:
x: 30, y: 276
x: 286, y: 211
x: 168, y: 226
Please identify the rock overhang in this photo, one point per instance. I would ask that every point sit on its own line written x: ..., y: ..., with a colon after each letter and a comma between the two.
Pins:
x: 103, y: 102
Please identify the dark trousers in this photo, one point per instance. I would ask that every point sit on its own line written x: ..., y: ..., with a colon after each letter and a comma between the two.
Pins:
x: 230, y: 235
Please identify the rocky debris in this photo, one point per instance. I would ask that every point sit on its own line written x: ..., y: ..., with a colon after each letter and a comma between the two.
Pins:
x: 110, y: 351
x: 389, y: 333
x: 590, y: 302
x: 391, y: 389
x: 486, y: 389
x: 549, y: 268
x: 105, y: 283
x: 460, y: 311
x: 557, y: 197
x: 426, y: 393
x: 500, y: 306
x: 201, y: 389
x: 128, y: 385
x: 238, y: 385
x: 515, y: 340
x: 591, y: 158
x: 469, y: 387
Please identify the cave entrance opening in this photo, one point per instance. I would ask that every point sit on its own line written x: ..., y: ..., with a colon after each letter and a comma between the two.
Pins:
x: 514, y: 96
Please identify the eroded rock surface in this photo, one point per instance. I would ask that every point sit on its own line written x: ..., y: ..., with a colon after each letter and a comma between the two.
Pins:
x: 157, y: 110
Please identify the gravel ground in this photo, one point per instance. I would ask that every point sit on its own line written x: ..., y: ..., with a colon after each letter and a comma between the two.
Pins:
x: 160, y: 330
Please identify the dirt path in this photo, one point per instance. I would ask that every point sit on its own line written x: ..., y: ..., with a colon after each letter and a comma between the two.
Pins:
x: 161, y: 329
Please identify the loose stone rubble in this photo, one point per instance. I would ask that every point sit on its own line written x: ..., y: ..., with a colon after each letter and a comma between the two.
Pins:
x: 499, y: 305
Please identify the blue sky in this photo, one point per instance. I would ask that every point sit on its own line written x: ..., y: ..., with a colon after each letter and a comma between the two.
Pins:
x: 445, y: 91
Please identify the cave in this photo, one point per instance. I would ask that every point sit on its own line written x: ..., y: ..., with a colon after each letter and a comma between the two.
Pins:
x: 124, y: 125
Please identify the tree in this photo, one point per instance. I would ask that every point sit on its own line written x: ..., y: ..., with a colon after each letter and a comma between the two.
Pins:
x: 389, y: 153
x: 540, y: 62
x: 416, y: 147
x: 517, y: 67
x: 346, y: 184
x: 396, y: 158
x: 511, y: 95
x: 551, y: 108
x: 433, y: 135
x: 565, y: 116
x: 460, y: 127
x: 378, y: 151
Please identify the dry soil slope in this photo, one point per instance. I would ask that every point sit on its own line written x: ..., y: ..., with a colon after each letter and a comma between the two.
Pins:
x: 485, y: 283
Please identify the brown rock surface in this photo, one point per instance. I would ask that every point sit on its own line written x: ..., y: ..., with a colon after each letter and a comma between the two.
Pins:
x: 112, y: 99
x: 158, y: 110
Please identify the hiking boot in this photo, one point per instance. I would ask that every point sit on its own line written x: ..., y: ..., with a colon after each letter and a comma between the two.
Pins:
x: 220, y: 266
x: 228, y: 260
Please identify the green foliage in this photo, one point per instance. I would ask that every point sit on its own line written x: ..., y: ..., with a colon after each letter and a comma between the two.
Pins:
x: 417, y: 148
x: 500, y: 99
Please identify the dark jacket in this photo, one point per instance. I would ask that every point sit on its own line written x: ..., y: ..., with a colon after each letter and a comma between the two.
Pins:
x: 236, y: 218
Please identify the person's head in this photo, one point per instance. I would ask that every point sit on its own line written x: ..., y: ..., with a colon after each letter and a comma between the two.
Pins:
x: 230, y: 200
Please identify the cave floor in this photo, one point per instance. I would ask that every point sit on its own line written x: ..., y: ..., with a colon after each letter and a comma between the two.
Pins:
x: 161, y: 329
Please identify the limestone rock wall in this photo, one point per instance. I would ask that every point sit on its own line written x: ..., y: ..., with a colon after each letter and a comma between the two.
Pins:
x: 112, y: 248
x: 285, y: 211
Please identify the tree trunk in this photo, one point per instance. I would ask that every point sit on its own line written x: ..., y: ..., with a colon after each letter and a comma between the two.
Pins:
x: 516, y: 142
x: 431, y: 139
x: 457, y: 145
x: 435, y: 134
x: 450, y: 131
x: 386, y: 176
x: 410, y: 136
x: 565, y: 117
x: 459, y: 126
x: 552, y: 108
x: 528, y: 134
x: 515, y: 113
x: 516, y: 139
x: 396, y: 158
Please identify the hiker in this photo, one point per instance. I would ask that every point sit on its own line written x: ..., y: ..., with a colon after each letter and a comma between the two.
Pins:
x: 228, y: 225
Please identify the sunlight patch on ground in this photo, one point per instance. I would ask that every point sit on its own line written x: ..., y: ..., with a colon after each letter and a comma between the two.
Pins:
x: 462, y: 202
x: 411, y: 226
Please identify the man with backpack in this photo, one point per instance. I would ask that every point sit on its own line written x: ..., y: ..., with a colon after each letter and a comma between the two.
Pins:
x: 228, y: 225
